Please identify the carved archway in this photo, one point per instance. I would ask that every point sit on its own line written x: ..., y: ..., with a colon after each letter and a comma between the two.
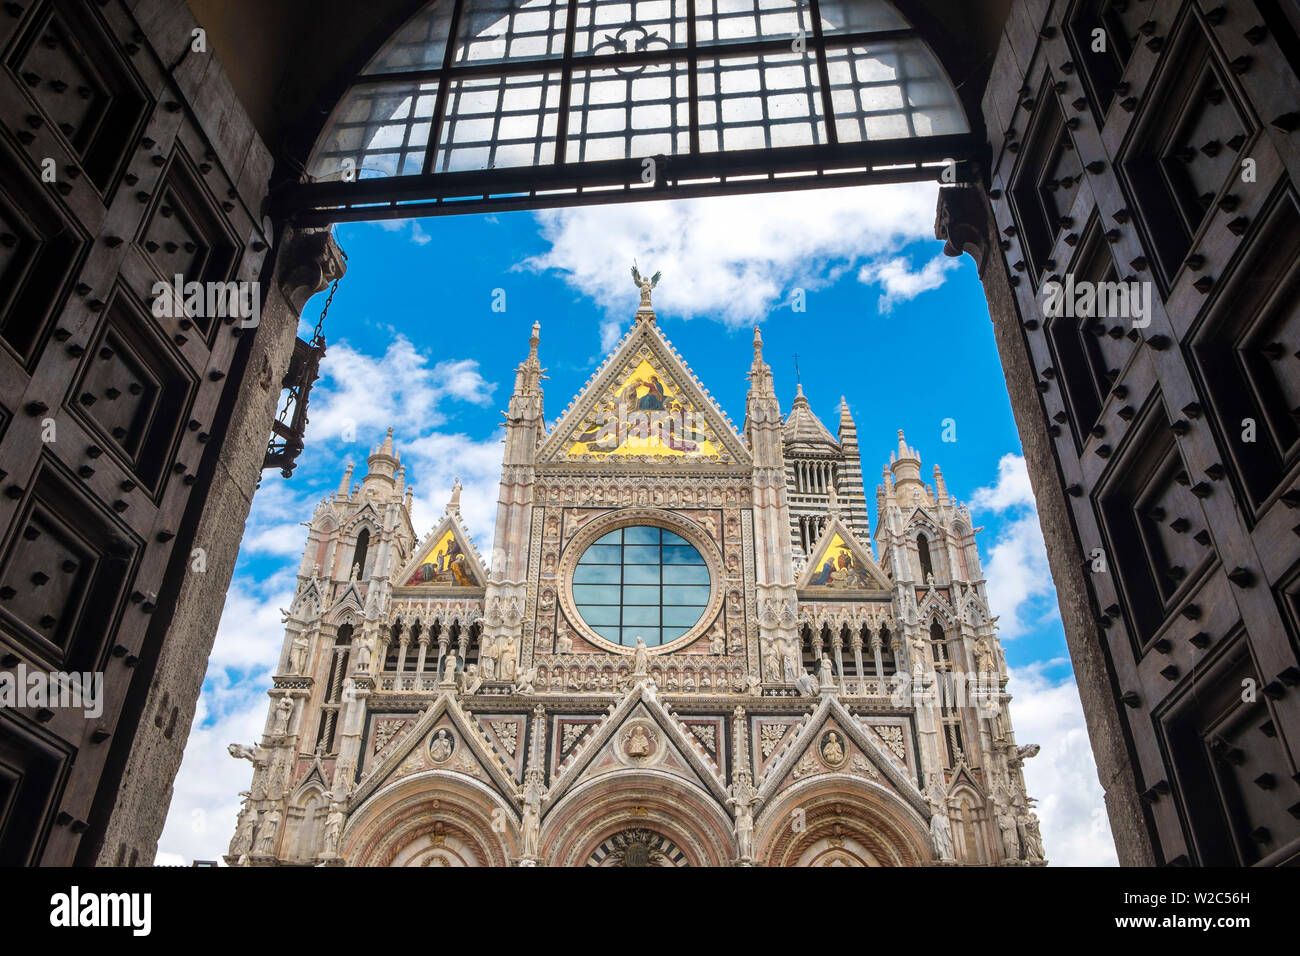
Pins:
x: 839, y: 820
x: 434, y: 818
x: 589, y: 820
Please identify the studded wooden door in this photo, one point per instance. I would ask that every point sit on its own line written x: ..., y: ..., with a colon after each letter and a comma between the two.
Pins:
x: 1150, y: 149
x: 119, y: 169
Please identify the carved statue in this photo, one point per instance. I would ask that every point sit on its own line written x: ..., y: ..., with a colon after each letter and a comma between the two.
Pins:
x: 298, y: 655
x: 1010, y: 839
x: 283, y: 711
x: 241, y: 752
x: 827, y: 676
x: 363, y: 655
x: 564, y: 644
x: 333, y: 828
x: 453, y: 504
x: 985, y: 659
x: 806, y: 685
x: 449, y: 667
x: 918, y: 661
x: 742, y: 801
x: 532, y: 819
x: 507, y: 661
x: 471, y: 680
x: 644, y: 285
x: 773, y: 662
x: 247, y: 826
x: 441, y: 747
x: 941, y: 833
x: 640, y: 658
x: 487, y: 659
x: 266, y: 833
x: 1031, y: 838
x: 356, y: 572
x: 525, y: 681
x: 789, y: 668
x: 638, y: 743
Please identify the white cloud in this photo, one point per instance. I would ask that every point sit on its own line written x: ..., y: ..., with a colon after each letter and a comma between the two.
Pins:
x: 360, y: 393
x: 437, y: 459
x: 737, y: 257
x: 900, y: 283
x: 1019, y: 581
x: 205, y: 799
x: 1011, y: 490
x: 1063, y: 777
x: 412, y: 226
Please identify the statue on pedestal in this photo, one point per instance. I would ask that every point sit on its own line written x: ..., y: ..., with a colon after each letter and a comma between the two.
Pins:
x: 283, y: 711
x: 266, y: 833
x: 941, y: 830
x: 640, y: 659
x: 298, y: 654
x: 742, y: 801
x: 333, y: 827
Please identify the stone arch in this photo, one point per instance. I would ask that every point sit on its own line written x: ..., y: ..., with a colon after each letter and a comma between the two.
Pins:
x: 406, y: 822
x: 305, y: 821
x: 924, y: 555
x: 684, y: 815
x: 841, y: 811
x: 968, y: 818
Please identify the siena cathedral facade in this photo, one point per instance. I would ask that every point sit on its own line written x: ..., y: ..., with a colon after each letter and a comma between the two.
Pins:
x: 683, y: 651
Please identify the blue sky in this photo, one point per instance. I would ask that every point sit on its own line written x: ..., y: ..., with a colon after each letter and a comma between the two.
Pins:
x: 414, y: 342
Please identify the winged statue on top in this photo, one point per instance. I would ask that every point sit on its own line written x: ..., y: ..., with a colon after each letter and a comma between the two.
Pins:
x: 644, y: 284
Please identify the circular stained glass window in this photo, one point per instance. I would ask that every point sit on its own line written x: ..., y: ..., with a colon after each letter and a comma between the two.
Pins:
x: 641, y: 581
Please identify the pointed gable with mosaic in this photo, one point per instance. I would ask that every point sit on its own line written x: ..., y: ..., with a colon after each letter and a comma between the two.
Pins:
x: 644, y: 405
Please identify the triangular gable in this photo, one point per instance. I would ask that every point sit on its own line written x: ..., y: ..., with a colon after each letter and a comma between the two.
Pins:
x: 350, y: 598
x: 446, y: 558
x: 471, y: 753
x: 594, y: 753
x: 309, y: 601
x: 800, y: 759
x: 644, y: 404
x: 922, y: 520
x: 932, y: 602
x: 366, y: 513
x: 962, y: 777
x: 840, y: 562
x: 314, y: 776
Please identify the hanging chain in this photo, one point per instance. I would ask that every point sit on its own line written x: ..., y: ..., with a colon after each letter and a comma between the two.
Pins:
x: 316, y: 335
x: 317, y: 339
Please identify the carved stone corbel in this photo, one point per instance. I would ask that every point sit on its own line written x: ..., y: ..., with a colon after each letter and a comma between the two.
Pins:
x: 961, y: 221
x: 311, y: 262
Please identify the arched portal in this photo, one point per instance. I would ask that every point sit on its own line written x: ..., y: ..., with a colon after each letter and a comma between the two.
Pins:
x: 639, y: 818
x: 840, y: 820
x: 434, y: 818
x: 659, y: 97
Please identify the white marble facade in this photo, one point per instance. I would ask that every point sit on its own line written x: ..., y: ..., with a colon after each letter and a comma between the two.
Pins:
x: 823, y: 697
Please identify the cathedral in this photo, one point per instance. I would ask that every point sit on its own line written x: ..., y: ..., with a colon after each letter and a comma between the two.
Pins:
x: 687, y: 647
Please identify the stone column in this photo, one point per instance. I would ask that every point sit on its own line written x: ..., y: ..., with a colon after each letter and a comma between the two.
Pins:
x: 876, y: 644
x: 444, y: 639
x: 837, y: 648
x: 349, y: 747
x: 403, y: 641
x: 856, y: 643
x: 773, y: 557
x: 424, y: 650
